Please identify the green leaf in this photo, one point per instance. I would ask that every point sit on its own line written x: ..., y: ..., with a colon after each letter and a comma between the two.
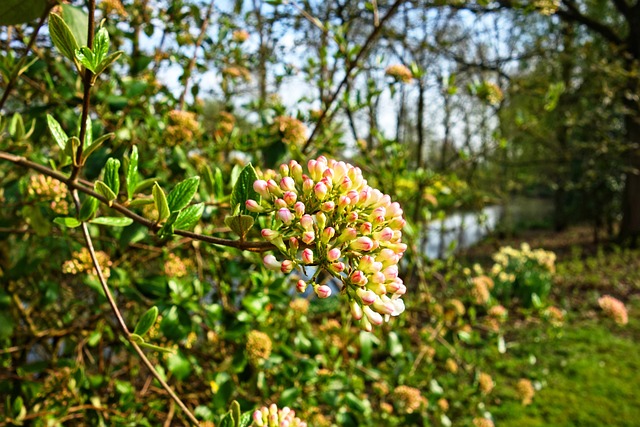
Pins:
x: 189, y: 217
x: 139, y: 202
x: 67, y: 221
x: 111, y: 175
x: 182, y: 193
x: 146, y: 321
x: 108, y: 61
x: 85, y: 56
x: 227, y: 421
x: 78, y: 21
x: 179, y: 366
x: 95, y: 145
x: 132, y: 173
x: 104, y: 190
x: 219, y: 184
x: 71, y: 149
x: 157, y: 348
x: 235, y: 412
x: 136, y: 338
x: 243, y: 190
x: 113, y: 221
x: 240, y: 224
x: 62, y: 36
x: 15, y: 12
x: 245, y: 419
x: 59, y: 135
x: 101, y: 45
x: 167, y: 228
x: 160, y: 201
x: 88, y: 208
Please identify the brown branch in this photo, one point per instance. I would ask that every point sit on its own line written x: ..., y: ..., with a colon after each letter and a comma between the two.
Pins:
x: 16, y: 71
x: 192, y: 63
x: 352, y: 65
x: 153, y: 226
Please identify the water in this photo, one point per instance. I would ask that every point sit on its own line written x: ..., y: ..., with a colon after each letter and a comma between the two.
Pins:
x: 459, y: 230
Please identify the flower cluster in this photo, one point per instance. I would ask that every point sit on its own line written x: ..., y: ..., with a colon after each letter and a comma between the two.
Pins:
x: 525, y: 391
x: 183, y: 127
x: 237, y: 72
x: 274, y: 417
x: 49, y: 189
x: 292, y: 130
x: 408, y: 399
x: 485, y: 383
x: 509, y: 258
x: 399, y: 72
x: 614, y: 308
x: 332, y: 219
x: 224, y: 126
x: 258, y: 347
x: 482, y: 422
x: 177, y: 267
x: 546, y: 7
x: 81, y: 263
x: 240, y: 36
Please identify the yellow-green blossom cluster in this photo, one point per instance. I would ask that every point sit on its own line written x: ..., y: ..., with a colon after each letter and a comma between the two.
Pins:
x: 408, y: 399
x: 274, y: 417
x: 525, y: 391
x: 291, y: 130
x: 258, y: 347
x: 332, y: 219
x: 46, y: 188
x: 81, y: 262
x: 510, y: 257
x: 614, y: 308
x: 183, y: 127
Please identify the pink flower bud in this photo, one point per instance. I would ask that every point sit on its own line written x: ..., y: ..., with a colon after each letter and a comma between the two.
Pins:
x: 293, y: 244
x: 285, y: 216
x: 323, y: 291
x: 328, y: 206
x: 308, y: 237
x: 288, y: 184
x: 352, y: 217
x: 299, y: 209
x: 337, y: 267
x: 368, y: 297
x: 397, y: 223
x: 346, y: 184
x: 347, y: 235
x: 366, y: 228
x: 375, y: 318
x: 398, y: 307
x: 280, y: 203
x: 343, y: 202
x: 354, y: 196
x: 356, y: 310
x: 365, y: 325
x: 327, y: 234
x: 284, y: 169
x: 290, y: 197
x: 320, y: 190
x: 307, y: 256
x: 257, y: 418
x: 362, y: 244
x: 383, y: 307
x: 306, y: 222
x: 333, y: 255
x: 359, y: 278
x: 391, y: 272
x: 385, y: 235
x: 273, y: 188
x: 271, y: 262
x: 287, y: 266
x: 301, y: 286
x: 377, y: 278
x: 295, y: 170
x: 307, y: 186
x: 394, y: 210
x: 269, y: 235
x: 260, y: 186
x: 253, y: 206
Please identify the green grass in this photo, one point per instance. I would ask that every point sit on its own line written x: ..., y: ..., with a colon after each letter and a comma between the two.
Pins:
x: 589, y: 373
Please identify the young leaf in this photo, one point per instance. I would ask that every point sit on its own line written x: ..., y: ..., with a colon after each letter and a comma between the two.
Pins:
x: 100, y: 45
x: 67, y: 221
x: 59, y: 135
x: 189, y: 217
x: 62, y: 36
x: 182, y: 193
x: 104, y: 190
x: 113, y: 221
x: 108, y: 61
x: 88, y: 208
x: 85, y: 56
x: 245, y: 419
x: 243, y: 190
x: 160, y: 201
x: 78, y: 21
x: 132, y: 172
x: 111, y: 175
x: 95, y: 145
x: 239, y: 224
x: 146, y: 321
x: 219, y: 183
x: 71, y: 149
x: 236, y: 413
x: 168, y: 227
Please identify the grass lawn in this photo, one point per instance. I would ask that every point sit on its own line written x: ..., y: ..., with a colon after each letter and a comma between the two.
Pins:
x: 588, y: 372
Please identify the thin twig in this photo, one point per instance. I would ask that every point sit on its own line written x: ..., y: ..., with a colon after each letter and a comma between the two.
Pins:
x: 16, y: 71
x: 192, y: 63
x: 352, y: 65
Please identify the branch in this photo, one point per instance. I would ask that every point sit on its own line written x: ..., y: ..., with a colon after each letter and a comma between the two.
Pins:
x: 153, y: 226
x: 121, y: 322
x: 573, y: 14
x: 352, y: 65
x: 16, y: 71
